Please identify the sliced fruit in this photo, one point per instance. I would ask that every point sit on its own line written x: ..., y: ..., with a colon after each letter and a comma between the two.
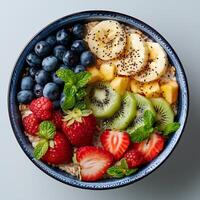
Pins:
x: 107, y: 39
x: 124, y: 116
x: 164, y: 112
x: 151, y: 147
x: 135, y: 58
x: 103, y: 100
x: 151, y: 89
x: 96, y: 74
x: 94, y: 162
x: 143, y: 104
x: 120, y: 84
x: 157, y: 65
x: 115, y: 142
x: 170, y: 91
x: 108, y: 71
x: 136, y: 86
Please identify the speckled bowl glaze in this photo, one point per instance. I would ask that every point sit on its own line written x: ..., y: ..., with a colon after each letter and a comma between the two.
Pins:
x: 87, y: 16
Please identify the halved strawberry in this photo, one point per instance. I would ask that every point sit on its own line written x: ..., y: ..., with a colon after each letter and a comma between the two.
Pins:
x: 151, y: 147
x: 94, y: 162
x: 115, y: 142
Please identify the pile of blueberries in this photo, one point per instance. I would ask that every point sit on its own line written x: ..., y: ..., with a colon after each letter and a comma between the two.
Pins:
x: 66, y: 49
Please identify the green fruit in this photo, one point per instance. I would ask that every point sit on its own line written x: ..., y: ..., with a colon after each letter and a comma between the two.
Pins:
x: 143, y: 104
x: 102, y: 100
x: 164, y: 112
x: 125, y: 115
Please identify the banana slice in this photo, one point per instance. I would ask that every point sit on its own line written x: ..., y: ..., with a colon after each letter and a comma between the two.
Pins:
x: 107, y: 39
x: 135, y: 57
x: 157, y: 66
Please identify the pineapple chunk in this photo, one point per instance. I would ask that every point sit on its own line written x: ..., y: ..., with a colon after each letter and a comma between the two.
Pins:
x: 96, y: 74
x: 136, y: 86
x: 170, y: 91
x: 151, y: 89
x: 120, y: 84
x: 108, y: 71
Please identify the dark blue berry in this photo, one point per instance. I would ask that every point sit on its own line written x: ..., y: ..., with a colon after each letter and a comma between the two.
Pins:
x: 27, y: 83
x: 32, y: 71
x: 25, y: 96
x: 64, y: 66
x: 87, y: 58
x: 51, y: 91
x: 62, y: 101
x: 71, y: 58
x: 42, y: 48
x: 42, y: 77
x: 59, y: 51
x: 56, y: 79
x: 62, y: 95
x: 50, y: 63
x: 79, y: 31
x: 79, y: 68
x: 51, y: 40
x: 56, y: 104
x: 33, y: 60
x: 63, y: 37
x: 79, y: 46
x: 38, y: 90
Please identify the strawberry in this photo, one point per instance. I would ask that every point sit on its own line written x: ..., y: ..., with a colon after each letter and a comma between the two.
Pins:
x: 60, y: 152
x: 57, y: 119
x: 79, y: 127
x: 31, y: 124
x: 94, y: 162
x: 115, y: 142
x: 151, y: 147
x: 41, y: 108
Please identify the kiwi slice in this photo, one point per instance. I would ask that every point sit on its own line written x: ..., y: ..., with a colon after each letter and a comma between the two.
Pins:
x: 125, y: 115
x: 164, y: 112
x: 143, y: 104
x: 102, y: 100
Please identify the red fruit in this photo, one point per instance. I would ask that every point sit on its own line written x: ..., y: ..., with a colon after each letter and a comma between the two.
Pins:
x: 61, y: 152
x: 81, y: 130
x: 94, y: 162
x: 41, y: 108
x: 134, y: 158
x: 31, y: 124
x: 152, y: 147
x: 57, y: 119
x: 115, y: 142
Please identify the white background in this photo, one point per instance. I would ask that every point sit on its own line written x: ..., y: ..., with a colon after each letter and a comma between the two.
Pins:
x: 179, y: 22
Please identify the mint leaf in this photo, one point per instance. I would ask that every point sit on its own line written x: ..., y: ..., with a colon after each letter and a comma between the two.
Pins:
x: 115, y: 172
x: 140, y: 134
x: 41, y: 149
x: 47, y: 130
x: 171, y: 128
x: 67, y: 75
x: 81, y: 105
x: 82, y: 79
x: 130, y: 171
x: 149, y: 118
x: 81, y: 94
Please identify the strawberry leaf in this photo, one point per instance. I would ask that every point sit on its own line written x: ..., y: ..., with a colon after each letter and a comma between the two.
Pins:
x: 124, y: 164
x: 47, y: 130
x: 115, y: 172
x: 41, y: 149
x: 130, y: 171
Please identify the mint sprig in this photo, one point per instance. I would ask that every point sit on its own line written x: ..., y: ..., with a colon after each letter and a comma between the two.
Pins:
x: 47, y: 130
x: 171, y: 128
x: 41, y: 149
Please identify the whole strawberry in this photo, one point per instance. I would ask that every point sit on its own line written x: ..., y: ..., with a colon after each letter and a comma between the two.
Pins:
x: 57, y: 119
x: 79, y: 126
x: 31, y: 124
x: 42, y: 108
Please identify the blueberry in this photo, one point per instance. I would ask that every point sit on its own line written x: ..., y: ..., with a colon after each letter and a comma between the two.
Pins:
x: 79, y: 46
x: 71, y: 58
x: 38, y: 90
x: 64, y: 66
x: 33, y: 60
x: 50, y: 63
x: 59, y: 51
x: 51, y: 40
x: 42, y: 48
x: 25, y: 96
x: 27, y: 83
x: 32, y: 71
x: 42, y: 77
x: 63, y: 37
x: 56, y: 79
x: 62, y: 95
x: 56, y: 104
x: 51, y: 91
x: 87, y: 58
x: 62, y: 101
x: 79, y: 68
x: 79, y: 31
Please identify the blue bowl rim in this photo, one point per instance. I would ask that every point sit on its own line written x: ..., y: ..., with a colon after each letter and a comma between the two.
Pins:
x: 92, y: 15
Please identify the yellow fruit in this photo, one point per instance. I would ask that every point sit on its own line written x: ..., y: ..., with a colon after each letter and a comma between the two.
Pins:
x: 170, y: 91
x: 96, y: 74
x: 136, y: 86
x: 108, y: 71
x: 120, y: 84
x: 151, y: 89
